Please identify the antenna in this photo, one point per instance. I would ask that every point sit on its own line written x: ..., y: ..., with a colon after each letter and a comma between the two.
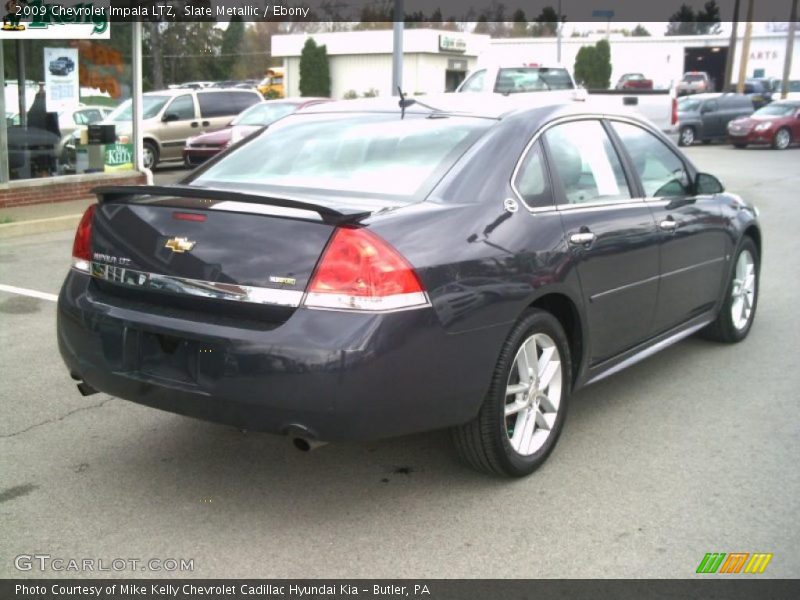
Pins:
x: 403, y: 102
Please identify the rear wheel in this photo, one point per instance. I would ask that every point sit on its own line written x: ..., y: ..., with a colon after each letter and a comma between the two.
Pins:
x: 524, y: 410
x: 782, y: 139
x: 686, y: 137
x: 739, y: 308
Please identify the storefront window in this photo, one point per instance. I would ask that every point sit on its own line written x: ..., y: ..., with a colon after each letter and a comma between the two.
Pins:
x: 55, y: 92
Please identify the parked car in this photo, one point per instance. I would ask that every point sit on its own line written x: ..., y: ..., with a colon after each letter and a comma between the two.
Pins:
x: 792, y: 90
x: 695, y: 82
x: 63, y: 65
x: 200, y: 148
x: 634, y: 81
x: 295, y: 285
x: 72, y: 120
x: 777, y: 124
x: 518, y: 79
x: 170, y: 117
x: 272, y: 84
x: 705, y: 117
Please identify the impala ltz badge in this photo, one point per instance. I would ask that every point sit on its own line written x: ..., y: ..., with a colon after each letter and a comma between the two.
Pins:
x: 179, y: 244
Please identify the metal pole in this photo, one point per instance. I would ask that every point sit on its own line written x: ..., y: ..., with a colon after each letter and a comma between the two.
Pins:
x: 21, y: 89
x: 558, y: 34
x: 136, y: 101
x: 3, y: 123
x: 726, y: 84
x: 397, y: 47
x: 748, y: 31
x: 787, y: 61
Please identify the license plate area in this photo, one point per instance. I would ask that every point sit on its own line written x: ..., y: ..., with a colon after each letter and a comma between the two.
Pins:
x: 167, y: 357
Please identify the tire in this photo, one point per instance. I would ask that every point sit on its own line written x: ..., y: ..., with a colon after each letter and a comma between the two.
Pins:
x: 739, y: 145
x: 782, y: 139
x: 686, y: 136
x: 150, y: 155
x: 706, y: 142
x: 726, y: 328
x: 487, y: 443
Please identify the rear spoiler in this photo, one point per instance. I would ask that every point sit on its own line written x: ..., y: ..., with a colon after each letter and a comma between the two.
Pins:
x: 329, y: 215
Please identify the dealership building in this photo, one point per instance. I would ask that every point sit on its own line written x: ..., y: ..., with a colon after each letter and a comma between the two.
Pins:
x: 437, y: 61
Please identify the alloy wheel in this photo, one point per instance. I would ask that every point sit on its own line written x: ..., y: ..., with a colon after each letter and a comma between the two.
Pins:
x: 782, y: 139
x: 743, y: 290
x: 687, y: 136
x: 533, y: 394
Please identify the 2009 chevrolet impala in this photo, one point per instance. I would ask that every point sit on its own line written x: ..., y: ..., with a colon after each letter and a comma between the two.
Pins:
x: 365, y: 269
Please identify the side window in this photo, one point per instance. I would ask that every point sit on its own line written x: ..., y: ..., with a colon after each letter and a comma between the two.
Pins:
x: 475, y: 83
x: 238, y: 101
x: 214, y: 104
x: 584, y: 161
x: 183, y: 106
x: 711, y: 106
x: 661, y: 171
x: 531, y: 180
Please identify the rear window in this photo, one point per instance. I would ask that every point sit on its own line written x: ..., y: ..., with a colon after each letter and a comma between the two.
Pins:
x: 532, y: 79
x: 688, y: 105
x: 358, y: 154
x: 691, y: 77
x: 225, y: 104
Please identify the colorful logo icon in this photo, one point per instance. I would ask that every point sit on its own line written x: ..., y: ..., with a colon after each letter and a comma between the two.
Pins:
x: 735, y: 562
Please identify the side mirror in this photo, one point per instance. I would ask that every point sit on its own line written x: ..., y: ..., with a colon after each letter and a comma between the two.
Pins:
x: 170, y: 117
x: 705, y: 184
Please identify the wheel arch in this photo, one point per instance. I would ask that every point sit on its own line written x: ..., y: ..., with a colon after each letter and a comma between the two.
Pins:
x: 754, y: 233
x: 565, y: 310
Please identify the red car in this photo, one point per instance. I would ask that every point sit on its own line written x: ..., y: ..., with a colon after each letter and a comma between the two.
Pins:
x: 777, y: 124
x: 634, y: 81
x: 200, y: 148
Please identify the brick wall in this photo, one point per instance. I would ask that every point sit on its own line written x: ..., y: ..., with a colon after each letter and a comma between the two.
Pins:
x: 60, y: 189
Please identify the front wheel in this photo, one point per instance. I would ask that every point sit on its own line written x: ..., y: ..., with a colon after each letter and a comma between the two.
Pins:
x: 686, y: 137
x: 782, y: 139
x: 150, y: 155
x: 739, y: 307
x: 524, y: 410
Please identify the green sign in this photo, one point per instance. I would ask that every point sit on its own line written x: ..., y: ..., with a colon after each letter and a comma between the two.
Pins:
x: 118, y: 157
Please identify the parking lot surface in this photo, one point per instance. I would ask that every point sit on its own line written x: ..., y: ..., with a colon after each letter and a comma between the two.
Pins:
x: 692, y: 451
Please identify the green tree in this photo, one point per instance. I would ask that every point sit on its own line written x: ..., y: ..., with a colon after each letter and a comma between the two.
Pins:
x: 593, y: 65
x: 315, y: 76
x: 519, y: 27
x: 232, y: 44
x: 682, y: 22
x: 482, y: 25
x: 546, y: 24
x: 708, y: 18
x: 640, y: 31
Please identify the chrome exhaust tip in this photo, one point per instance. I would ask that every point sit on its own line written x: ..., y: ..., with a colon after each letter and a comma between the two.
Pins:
x: 302, y: 439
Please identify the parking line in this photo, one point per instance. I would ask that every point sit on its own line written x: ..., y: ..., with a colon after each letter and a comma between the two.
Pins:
x: 26, y: 292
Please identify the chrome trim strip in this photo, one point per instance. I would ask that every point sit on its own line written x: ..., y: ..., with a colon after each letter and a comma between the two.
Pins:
x: 197, y: 287
x: 623, y: 287
x: 649, y: 351
x: 697, y: 266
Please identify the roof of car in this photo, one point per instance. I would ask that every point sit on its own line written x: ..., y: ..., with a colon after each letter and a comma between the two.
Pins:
x: 180, y: 91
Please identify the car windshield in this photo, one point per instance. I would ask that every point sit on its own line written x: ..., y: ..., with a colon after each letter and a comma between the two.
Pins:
x: 690, y: 77
x: 358, y: 154
x: 688, y: 105
x: 152, y: 105
x: 775, y: 110
x: 532, y: 79
x: 264, y: 114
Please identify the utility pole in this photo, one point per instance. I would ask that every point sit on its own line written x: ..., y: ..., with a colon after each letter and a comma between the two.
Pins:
x: 787, y: 61
x: 748, y: 31
x: 558, y: 34
x: 397, y: 47
x: 726, y: 84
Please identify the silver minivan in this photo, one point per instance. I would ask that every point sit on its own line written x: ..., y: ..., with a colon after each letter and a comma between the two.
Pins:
x: 172, y: 116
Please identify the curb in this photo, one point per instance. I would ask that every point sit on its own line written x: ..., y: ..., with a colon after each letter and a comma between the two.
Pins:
x: 9, y: 230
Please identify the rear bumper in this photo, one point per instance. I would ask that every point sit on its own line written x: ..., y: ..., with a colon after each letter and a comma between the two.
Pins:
x: 343, y: 376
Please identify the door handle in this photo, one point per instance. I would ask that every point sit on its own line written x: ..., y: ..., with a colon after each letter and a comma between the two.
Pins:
x: 584, y: 238
x: 668, y: 224
x: 206, y: 123
x: 195, y: 123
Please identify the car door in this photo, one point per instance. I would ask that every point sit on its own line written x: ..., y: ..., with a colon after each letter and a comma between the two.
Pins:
x: 611, y: 235
x: 712, y: 119
x: 217, y: 108
x: 692, y: 237
x: 178, y: 123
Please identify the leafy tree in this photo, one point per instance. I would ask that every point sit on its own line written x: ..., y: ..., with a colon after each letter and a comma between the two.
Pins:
x: 519, y: 28
x: 593, y: 65
x: 708, y: 18
x: 686, y: 22
x: 640, y: 31
x: 315, y: 76
x: 482, y: 25
x: 546, y: 24
x: 232, y: 43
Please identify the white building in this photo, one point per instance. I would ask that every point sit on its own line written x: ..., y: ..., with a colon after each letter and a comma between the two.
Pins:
x: 436, y: 61
x: 433, y: 60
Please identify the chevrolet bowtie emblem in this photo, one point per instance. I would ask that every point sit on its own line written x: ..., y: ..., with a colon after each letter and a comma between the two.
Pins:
x: 179, y: 244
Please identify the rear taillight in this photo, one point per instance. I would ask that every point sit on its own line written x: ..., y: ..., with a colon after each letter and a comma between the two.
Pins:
x: 82, y: 246
x: 674, y: 119
x: 360, y: 271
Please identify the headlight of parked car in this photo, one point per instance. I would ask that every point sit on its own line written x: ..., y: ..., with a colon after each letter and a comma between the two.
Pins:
x: 763, y: 126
